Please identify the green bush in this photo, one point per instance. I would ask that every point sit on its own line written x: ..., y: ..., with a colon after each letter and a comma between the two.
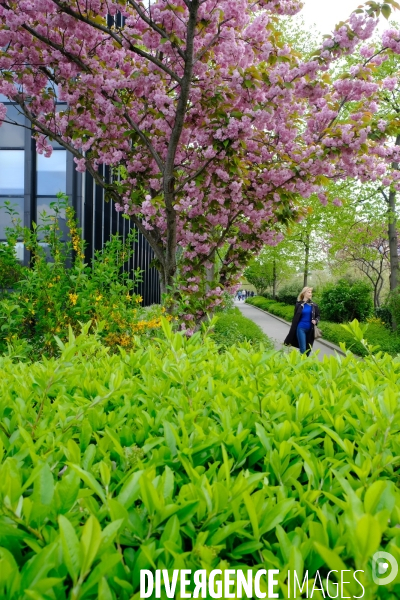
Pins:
x: 376, y: 334
x: 10, y: 267
x: 176, y: 457
x: 345, y: 301
x: 384, y: 314
x: 280, y: 310
x: 233, y: 328
x: 65, y: 291
x: 288, y: 294
x: 393, y: 305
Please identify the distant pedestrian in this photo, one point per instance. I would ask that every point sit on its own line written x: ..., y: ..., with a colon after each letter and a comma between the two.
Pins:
x: 306, y: 317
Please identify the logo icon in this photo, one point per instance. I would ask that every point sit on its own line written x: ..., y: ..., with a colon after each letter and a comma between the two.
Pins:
x: 384, y: 564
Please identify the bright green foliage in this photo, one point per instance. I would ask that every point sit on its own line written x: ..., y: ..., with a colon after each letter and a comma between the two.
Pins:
x: 10, y: 267
x: 345, y: 301
x: 259, y: 274
x: 66, y: 291
x: 175, y: 456
x: 376, y: 334
x: 232, y: 328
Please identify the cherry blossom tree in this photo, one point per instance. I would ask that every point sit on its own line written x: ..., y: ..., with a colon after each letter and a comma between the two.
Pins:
x: 213, y: 127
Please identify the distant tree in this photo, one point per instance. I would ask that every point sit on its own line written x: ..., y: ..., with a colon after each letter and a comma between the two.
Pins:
x: 270, y: 268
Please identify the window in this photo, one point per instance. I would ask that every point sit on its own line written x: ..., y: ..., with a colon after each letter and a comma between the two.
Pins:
x: 12, y: 166
x: 11, y: 172
x: 51, y: 173
x: 51, y: 179
x: 12, y: 136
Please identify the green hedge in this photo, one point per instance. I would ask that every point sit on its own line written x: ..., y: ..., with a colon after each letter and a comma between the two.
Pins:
x: 177, y: 457
x: 233, y: 328
x: 276, y: 308
x: 377, y: 334
x: 345, y: 301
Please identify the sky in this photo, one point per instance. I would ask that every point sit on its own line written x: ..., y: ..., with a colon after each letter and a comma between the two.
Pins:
x: 326, y: 13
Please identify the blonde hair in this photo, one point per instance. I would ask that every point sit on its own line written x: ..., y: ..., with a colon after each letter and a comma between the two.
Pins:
x: 300, y: 297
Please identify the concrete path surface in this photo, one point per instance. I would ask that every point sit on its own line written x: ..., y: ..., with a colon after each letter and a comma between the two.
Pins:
x: 277, y: 330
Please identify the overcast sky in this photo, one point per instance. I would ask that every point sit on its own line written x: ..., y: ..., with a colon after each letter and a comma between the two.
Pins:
x: 326, y: 13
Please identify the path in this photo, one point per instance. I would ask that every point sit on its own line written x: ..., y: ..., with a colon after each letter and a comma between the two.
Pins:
x: 277, y: 329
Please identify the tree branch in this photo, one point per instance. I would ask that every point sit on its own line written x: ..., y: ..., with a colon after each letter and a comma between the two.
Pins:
x: 155, y: 27
x: 65, y: 8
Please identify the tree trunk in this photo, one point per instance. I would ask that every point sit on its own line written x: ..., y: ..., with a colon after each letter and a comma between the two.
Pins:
x: 306, y: 260
x: 393, y: 242
x: 274, y: 279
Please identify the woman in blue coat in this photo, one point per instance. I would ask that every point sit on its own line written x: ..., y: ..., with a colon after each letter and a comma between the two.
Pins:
x: 306, y: 316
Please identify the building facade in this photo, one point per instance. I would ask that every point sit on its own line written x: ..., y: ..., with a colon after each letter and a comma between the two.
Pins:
x: 31, y: 182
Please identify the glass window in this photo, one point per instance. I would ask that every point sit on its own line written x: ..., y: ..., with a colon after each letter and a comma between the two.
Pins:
x: 12, y: 136
x: 11, y: 172
x: 5, y: 219
x: 51, y: 173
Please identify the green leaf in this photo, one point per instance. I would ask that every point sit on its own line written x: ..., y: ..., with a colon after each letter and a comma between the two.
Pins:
x: 105, y: 592
x: 71, y: 548
x: 43, y: 487
x: 90, y: 543
x: 367, y: 537
x: 251, y: 510
x: 130, y: 490
x: 276, y: 515
x: 226, y: 531
x: 171, y: 531
x: 386, y: 11
x: 379, y: 496
x: 149, y: 495
x: 90, y: 481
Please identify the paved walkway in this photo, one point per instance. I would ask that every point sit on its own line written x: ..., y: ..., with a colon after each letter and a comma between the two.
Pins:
x: 277, y: 329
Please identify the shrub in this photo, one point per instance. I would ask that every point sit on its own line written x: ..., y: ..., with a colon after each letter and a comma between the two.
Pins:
x: 288, y: 294
x: 51, y: 296
x: 393, y: 305
x: 383, y: 314
x: 280, y: 310
x: 345, y: 301
x: 233, y: 328
x: 247, y: 460
x: 10, y: 267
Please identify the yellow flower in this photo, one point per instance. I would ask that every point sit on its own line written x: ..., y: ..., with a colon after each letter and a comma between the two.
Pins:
x: 139, y: 299
x: 73, y: 298
x: 98, y: 298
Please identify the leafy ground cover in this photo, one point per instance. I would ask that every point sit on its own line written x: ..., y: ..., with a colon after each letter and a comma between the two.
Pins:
x: 376, y: 334
x: 176, y: 456
x: 233, y: 328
